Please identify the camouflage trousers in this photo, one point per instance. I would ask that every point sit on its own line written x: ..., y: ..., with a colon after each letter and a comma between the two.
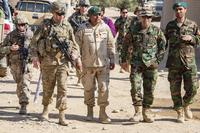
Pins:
x: 143, y: 76
x: 3, y: 71
x: 50, y: 75
x: 23, y: 82
x: 90, y: 77
x: 190, y: 82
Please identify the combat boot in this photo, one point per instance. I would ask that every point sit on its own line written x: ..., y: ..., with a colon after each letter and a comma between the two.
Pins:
x: 188, y: 112
x: 147, y: 116
x: 103, y: 117
x: 62, y: 120
x: 23, y: 110
x: 89, y: 113
x: 138, y: 114
x: 180, y: 117
x: 45, y: 114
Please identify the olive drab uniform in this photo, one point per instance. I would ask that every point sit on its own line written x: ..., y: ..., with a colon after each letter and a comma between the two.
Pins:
x: 97, y: 51
x: 19, y: 62
x: 53, y: 63
x: 121, y: 26
x: 181, y: 61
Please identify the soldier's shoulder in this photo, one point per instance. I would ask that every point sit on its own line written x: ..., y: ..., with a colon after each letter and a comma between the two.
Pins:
x: 171, y: 23
x: 190, y: 22
x: 118, y: 20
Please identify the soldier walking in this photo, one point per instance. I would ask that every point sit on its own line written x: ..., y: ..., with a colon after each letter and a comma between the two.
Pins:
x: 16, y: 47
x: 122, y: 25
x: 148, y: 46
x: 182, y: 36
x: 97, y: 54
x: 45, y: 51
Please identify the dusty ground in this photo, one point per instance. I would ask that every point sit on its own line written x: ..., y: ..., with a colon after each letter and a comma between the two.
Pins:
x: 120, y: 110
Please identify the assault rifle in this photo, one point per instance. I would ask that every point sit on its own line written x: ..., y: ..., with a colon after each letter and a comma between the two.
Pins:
x: 64, y: 48
x: 23, y: 51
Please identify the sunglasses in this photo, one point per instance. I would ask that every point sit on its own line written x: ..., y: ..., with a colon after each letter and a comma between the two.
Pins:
x: 148, y: 17
x: 60, y: 13
x: 21, y: 25
x: 124, y: 12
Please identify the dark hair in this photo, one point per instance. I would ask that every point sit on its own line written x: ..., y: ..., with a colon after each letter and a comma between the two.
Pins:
x: 122, y: 8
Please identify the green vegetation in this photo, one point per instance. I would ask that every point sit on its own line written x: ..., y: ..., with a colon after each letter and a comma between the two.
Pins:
x: 130, y: 4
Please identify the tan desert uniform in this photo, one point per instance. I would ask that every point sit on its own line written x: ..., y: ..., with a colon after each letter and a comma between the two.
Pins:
x: 21, y: 72
x: 53, y: 63
x: 97, y: 52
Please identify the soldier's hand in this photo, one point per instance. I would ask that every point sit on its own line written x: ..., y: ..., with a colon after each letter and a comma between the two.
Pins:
x: 79, y: 64
x: 14, y: 47
x: 35, y: 62
x: 186, y: 37
x: 112, y: 66
x: 124, y: 66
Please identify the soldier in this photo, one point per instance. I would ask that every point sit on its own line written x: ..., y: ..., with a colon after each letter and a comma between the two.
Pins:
x: 121, y: 25
x: 96, y: 45
x: 80, y: 16
x: 182, y: 36
x: 16, y: 47
x: 46, y: 52
x: 148, y: 47
x: 76, y: 19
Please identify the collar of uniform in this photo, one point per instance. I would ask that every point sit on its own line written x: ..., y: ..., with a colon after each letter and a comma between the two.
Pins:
x: 186, y: 22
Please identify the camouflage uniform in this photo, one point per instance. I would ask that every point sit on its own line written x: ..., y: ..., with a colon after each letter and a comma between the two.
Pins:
x: 76, y: 19
x: 19, y: 61
x: 121, y: 26
x: 181, y: 61
x: 53, y: 63
x: 97, y: 53
x: 148, y: 47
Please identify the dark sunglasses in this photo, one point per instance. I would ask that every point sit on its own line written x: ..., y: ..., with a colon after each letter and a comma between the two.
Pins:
x: 148, y: 17
x: 124, y: 12
x: 21, y: 25
x: 60, y: 13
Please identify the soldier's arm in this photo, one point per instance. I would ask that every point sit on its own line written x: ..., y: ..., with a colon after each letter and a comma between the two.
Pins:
x: 196, y: 37
x: 5, y: 45
x: 161, y: 41
x: 111, y: 47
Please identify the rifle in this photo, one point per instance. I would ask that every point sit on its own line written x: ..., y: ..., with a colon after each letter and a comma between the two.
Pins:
x: 23, y: 51
x: 64, y: 48
x: 37, y: 92
x: 74, y: 24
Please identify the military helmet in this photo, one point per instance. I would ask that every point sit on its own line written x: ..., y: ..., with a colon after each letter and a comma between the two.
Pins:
x: 84, y: 3
x: 58, y: 7
x: 21, y: 19
x: 94, y: 11
x: 146, y: 10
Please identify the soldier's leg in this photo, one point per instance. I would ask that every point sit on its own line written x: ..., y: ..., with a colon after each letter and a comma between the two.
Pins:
x: 175, y: 79
x: 190, y: 86
x: 149, y: 82
x: 48, y: 83
x: 103, y: 82
x: 136, y: 95
x: 89, y: 85
x: 61, y: 103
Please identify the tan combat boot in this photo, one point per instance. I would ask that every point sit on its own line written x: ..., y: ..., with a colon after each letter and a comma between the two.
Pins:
x: 188, y: 112
x: 103, y: 117
x: 62, y: 120
x: 45, y: 113
x: 138, y: 114
x: 89, y: 113
x: 23, y: 110
x: 180, y: 117
x: 147, y: 116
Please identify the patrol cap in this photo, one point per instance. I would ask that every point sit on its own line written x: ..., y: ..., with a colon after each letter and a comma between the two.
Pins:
x: 179, y: 4
x: 58, y: 7
x: 84, y: 3
x: 146, y: 10
x: 94, y: 11
x: 21, y: 19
